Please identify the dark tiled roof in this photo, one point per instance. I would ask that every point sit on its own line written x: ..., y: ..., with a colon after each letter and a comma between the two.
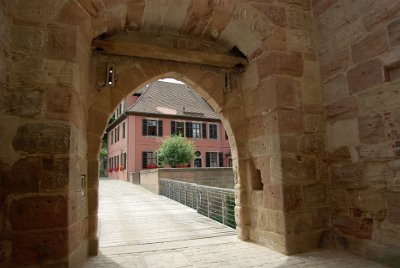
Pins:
x: 172, y: 99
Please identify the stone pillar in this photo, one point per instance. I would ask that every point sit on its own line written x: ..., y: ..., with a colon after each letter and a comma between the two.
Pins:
x: 287, y: 183
x: 42, y: 160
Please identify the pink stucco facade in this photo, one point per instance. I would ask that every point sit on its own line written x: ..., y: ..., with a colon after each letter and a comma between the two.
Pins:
x: 134, y: 143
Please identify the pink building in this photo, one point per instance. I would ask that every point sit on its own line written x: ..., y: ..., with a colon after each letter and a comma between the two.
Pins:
x: 145, y: 119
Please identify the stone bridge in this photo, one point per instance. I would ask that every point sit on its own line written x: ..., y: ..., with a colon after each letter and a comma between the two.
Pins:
x: 140, y: 229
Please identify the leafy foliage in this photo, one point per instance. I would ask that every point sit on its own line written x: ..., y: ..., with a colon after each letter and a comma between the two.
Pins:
x: 103, y: 149
x: 175, y: 151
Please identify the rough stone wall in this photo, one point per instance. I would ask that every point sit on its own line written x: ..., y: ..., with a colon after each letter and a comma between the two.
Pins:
x: 358, y: 50
x: 287, y: 184
x: 5, y: 244
x: 272, y: 114
x: 43, y: 140
x: 289, y: 192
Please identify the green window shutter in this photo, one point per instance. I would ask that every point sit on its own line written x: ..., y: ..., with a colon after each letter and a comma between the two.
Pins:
x: 160, y: 128
x: 144, y: 127
x: 189, y: 129
x: 144, y: 159
x: 173, y: 129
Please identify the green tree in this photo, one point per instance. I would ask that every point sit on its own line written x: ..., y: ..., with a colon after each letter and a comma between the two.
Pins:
x: 175, y: 151
x: 103, y: 148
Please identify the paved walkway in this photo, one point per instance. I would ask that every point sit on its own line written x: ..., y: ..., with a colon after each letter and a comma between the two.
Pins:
x: 140, y: 229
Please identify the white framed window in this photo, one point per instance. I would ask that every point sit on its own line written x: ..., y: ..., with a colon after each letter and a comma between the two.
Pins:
x: 214, y: 159
x: 149, y: 159
x: 178, y: 128
x: 152, y: 128
x: 196, y: 130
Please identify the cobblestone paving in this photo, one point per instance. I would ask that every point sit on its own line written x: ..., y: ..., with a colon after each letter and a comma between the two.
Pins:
x: 140, y: 229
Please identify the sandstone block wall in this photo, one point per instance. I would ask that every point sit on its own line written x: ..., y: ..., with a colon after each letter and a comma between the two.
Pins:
x: 287, y: 186
x: 43, y: 201
x: 358, y: 50
x: 313, y: 120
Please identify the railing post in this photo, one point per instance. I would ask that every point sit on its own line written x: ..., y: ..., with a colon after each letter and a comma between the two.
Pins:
x: 185, y: 195
x: 223, y: 207
x: 198, y: 191
x: 198, y: 200
x: 208, y: 203
x: 193, y: 197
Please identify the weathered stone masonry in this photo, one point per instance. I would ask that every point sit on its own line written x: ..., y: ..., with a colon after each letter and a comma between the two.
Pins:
x: 313, y: 119
x: 359, y: 56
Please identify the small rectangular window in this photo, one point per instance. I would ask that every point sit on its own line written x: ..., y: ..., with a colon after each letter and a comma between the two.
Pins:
x: 177, y: 128
x: 149, y: 159
x: 213, y: 159
x: 180, y: 128
x: 197, y: 162
x: 123, y: 130
x: 196, y: 130
x: 152, y: 128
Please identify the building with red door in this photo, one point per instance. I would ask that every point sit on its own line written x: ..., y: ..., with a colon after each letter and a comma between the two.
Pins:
x: 143, y: 120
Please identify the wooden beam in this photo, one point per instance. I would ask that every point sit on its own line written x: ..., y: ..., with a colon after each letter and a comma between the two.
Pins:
x: 163, y: 53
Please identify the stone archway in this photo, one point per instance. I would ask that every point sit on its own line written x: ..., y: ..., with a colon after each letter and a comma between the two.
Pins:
x: 273, y: 114
x: 207, y: 81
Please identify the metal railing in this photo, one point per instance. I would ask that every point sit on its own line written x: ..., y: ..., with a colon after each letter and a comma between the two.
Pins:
x: 216, y: 203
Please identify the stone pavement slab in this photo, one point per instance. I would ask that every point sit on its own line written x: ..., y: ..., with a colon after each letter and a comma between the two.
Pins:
x: 140, y: 229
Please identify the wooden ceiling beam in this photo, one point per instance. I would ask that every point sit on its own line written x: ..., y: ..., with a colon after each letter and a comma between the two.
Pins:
x: 164, y: 53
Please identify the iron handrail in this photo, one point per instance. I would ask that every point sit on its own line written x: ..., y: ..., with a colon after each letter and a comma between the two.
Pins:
x: 216, y: 203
